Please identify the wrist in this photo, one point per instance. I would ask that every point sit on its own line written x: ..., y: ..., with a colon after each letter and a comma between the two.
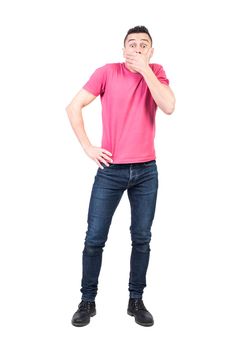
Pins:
x: 86, y: 147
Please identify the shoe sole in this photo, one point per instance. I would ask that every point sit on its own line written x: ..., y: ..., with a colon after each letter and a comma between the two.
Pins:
x: 141, y: 324
x: 83, y: 324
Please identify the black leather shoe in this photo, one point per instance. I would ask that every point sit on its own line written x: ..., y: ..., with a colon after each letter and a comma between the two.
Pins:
x: 81, y: 317
x: 137, y: 309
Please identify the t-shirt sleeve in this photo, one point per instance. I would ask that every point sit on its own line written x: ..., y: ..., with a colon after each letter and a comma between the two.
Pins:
x: 160, y: 74
x: 97, y: 81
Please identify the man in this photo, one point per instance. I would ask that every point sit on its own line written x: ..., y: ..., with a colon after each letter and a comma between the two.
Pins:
x: 130, y: 93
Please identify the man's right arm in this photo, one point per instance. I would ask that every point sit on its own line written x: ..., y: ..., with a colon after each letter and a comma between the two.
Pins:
x: 74, y: 112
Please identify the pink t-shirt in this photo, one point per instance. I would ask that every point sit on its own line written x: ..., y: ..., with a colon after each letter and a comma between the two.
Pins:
x: 128, y: 111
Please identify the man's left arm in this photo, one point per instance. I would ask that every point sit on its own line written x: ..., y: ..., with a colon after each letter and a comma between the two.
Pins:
x: 161, y: 93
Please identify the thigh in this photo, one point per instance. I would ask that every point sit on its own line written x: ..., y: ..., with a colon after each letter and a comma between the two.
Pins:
x: 104, y: 199
x: 142, y: 197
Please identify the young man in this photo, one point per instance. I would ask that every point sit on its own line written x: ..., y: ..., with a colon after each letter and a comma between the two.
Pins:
x: 130, y: 93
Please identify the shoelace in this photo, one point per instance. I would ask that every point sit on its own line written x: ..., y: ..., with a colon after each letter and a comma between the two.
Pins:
x: 85, y: 305
x: 138, y: 304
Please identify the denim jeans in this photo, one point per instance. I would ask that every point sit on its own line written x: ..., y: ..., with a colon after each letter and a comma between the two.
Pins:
x: 141, y: 182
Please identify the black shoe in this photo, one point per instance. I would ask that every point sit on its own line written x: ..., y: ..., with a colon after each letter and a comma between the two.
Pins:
x: 81, y: 317
x: 137, y: 308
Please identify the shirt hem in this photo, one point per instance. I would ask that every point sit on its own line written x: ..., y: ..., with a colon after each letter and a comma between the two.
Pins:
x: 116, y: 161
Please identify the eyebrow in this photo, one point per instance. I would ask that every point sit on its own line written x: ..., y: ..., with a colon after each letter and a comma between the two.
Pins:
x: 135, y: 40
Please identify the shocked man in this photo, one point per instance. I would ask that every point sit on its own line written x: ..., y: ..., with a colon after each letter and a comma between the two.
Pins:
x: 130, y: 94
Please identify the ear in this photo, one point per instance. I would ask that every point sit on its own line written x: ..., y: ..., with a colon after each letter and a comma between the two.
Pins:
x: 150, y: 53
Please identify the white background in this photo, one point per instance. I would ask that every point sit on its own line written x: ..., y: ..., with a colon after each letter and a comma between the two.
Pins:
x: 49, y: 49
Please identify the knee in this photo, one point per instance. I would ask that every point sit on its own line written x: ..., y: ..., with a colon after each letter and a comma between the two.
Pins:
x: 141, y: 243
x: 92, y: 250
x: 141, y: 247
x: 141, y: 240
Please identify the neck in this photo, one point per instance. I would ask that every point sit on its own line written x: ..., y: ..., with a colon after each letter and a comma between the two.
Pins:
x: 129, y: 68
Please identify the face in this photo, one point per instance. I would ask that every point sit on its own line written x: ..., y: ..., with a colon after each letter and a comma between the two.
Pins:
x: 137, y: 42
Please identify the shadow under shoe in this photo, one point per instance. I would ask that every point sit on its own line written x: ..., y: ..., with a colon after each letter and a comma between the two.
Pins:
x: 137, y: 309
x: 81, y: 317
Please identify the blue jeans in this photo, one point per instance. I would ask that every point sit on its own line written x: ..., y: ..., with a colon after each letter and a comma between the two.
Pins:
x: 141, y: 182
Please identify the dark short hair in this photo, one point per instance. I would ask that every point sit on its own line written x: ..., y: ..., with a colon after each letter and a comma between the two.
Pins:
x: 138, y: 29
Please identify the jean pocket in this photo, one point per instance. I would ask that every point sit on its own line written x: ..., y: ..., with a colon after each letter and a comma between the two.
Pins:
x: 107, y: 166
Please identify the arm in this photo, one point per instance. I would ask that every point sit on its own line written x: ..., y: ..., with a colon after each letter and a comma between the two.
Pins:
x: 74, y: 112
x: 161, y: 93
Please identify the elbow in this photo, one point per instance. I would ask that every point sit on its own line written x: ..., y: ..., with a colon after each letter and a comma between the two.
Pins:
x: 71, y: 114
x: 170, y: 109
x: 68, y: 109
x: 72, y: 110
